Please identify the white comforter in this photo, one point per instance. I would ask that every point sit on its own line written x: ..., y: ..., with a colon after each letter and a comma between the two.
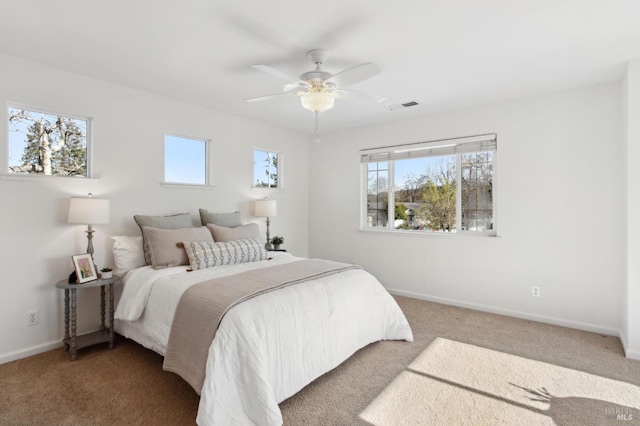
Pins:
x: 269, y: 347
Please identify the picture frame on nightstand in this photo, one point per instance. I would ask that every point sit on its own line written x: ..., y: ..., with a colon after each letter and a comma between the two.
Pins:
x: 84, y: 267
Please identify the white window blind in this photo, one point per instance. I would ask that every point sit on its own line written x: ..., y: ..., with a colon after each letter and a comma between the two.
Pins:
x: 430, y: 149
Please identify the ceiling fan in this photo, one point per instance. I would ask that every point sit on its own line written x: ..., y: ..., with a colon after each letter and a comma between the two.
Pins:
x: 318, y: 89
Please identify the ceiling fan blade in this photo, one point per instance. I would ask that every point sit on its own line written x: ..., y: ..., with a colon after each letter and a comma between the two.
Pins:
x: 354, y: 75
x: 265, y: 97
x: 293, y: 86
x: 362, y: 96
x: 274, y: 72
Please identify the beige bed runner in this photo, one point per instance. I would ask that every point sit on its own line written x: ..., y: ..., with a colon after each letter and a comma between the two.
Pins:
x: 203, y: 305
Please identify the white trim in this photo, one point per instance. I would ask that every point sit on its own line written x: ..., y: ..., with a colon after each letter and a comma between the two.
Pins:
x: 459, y: 195
x: 391, y: 197
x: 186, y: 185
x: 632, y: 354
x: 439, y: 234
x: 25, y: 177
x: 265, y: 189
x: 629, y: 353
x: 47, y: 111
x: 364, y: 188
x: 33, y: 350
x: 517, y: 314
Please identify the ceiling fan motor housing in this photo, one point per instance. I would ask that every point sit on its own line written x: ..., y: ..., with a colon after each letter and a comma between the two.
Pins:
x: 317, y: 76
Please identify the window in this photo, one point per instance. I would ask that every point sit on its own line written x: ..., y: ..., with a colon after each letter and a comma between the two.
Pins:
x: 443, y: 186
x: 47, y: 143
x: 266, y: 171
x: 185, y: 160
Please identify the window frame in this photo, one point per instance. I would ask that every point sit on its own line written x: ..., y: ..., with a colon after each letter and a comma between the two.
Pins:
x: 279, y: 186
x: 207, y: 171
x: 6, y: 174
x: 449, y: 146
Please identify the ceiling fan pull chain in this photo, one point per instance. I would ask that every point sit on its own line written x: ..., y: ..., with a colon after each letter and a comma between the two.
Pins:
x: 317, y: 132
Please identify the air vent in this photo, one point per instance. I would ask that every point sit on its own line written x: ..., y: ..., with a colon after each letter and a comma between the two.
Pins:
x: 404, y: 105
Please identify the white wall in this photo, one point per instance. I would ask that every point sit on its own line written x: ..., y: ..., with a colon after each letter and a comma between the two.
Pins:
x: 128, y: 139
x: 559, y: 189
x: 560, y: 196
x: 631, y: 319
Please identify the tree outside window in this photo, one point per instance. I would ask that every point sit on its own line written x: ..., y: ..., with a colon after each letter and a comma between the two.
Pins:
x: 265, y: 169
x: 47, y: 144
x: 441, y: 186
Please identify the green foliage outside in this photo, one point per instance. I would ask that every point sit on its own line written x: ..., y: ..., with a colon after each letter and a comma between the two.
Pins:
x: 439, y: 208
x: 271, y: 172
x: 435, y: 191
x: 54, y: 145
x: 401, y: 211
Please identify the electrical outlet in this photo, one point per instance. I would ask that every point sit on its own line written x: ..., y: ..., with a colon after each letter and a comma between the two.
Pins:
x: 33, y: 317
x: 535, y: 291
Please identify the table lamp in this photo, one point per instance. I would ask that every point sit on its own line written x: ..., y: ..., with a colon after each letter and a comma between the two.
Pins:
x: 266, y: 208
x: 89, y: 211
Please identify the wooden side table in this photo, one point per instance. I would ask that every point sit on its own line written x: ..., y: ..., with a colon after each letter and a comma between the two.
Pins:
x: 73, y: 342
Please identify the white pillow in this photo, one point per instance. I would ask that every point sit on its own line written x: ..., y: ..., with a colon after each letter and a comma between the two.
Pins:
x: 127, y: 253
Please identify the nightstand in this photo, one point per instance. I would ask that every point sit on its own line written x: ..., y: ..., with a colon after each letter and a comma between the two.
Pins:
x: 73, y: 342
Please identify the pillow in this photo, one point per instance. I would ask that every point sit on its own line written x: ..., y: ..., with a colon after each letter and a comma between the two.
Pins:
x: 182, y: 220
x: 230, y: 220
x: 206, y: 255
x: 221, y: 234
x: 127, y: 253
x: 163, y: 248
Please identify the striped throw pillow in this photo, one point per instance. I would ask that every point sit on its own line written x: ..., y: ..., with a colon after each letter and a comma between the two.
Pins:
x: 208, y: 254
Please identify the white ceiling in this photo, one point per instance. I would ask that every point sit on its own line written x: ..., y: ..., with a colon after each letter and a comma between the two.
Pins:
x: 443, y: 54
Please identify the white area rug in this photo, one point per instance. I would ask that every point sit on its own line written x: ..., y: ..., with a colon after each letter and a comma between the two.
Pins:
x: 452, y: 383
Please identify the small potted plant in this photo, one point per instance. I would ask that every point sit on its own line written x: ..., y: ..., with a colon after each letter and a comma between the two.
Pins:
x: 276, y: 241
x: 106, y: 273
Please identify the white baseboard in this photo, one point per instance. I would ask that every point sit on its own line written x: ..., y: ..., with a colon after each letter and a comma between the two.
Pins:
x: 33, y: 350
x: 517, y: 314
x: 628, y: 352
x: 632, y: 354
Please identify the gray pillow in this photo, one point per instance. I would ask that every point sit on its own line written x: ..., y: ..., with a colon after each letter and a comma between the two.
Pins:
x: 229, y: 220
x: 163, y: 248
x: 182, y: 220
x: 221, y: 233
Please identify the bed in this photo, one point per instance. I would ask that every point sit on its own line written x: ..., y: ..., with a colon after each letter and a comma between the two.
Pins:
x: 269, y: 347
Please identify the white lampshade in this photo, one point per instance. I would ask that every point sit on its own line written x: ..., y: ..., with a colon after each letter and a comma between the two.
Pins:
x: 317, y: 100
x: 266, y: 208
x: 89, y: 211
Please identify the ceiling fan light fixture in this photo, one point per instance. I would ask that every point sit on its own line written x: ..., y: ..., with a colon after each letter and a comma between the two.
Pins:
x: 317, y: 99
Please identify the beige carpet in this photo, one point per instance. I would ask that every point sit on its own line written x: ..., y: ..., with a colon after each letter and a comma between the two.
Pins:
x: 127, y: 386
x: 452, y: 383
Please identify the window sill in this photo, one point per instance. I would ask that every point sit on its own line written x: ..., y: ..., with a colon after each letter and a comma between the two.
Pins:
x: 454, y: 235
x: 42, y: 178
x: 263, y: 189
x: 186, y: 186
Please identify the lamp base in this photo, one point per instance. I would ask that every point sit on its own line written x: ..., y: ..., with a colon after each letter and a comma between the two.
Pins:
x: 268, y: 246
